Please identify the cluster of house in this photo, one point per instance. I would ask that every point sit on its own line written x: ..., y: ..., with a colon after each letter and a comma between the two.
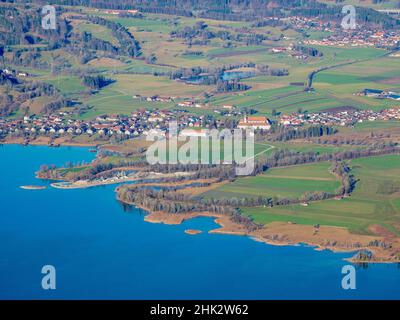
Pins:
x: 248, y: 122
x: 226, y: 109
x: 315, y: 23
x: 117, y: 12
x: 143, y: 122
x: 381, y: 94
x: 155, y: 98
x: 339, y: 118
x: 359, y: 38
x: 194, y: 104
x: 138, y: 123
x: 190, y: 104
x: 290, y: 51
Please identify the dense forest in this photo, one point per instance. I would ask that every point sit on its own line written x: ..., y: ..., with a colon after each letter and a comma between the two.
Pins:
x: 21, y: 27
x: 234, y: 9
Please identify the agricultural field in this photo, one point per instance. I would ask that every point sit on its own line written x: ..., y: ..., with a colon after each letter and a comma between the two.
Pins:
x: 217, y: 149
x: 117, y: 97
x: 343, y: 82
x: 374, y: 201
x: 246, y: 135
x: 365, y: 68
x: 302, y: 146
x: 97, y: 31
x: 287, y: 182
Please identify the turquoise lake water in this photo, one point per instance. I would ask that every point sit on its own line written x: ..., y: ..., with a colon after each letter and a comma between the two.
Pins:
x: 103, y: 251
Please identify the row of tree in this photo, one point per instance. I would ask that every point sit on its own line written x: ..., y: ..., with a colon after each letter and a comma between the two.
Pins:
x: 308, y: 51
x: 128, y: 45
x: 288, y: 157
x: 282, y: 133
x: 169, y: 201
x: 239, y: 10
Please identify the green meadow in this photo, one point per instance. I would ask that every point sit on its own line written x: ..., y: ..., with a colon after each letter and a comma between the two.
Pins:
x: 376, y: 200
x: 335, y: 87
x: 343, y: 82
x: 218, y: 151
x: 311, y: 147
x: 290, y: 182
x: 68, y: 85
x: 98, y: 31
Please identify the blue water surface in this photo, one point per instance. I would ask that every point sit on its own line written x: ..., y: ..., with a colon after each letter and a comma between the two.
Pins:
x: 102, y: 251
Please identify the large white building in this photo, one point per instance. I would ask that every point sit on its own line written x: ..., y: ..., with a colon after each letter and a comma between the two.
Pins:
x: 194, y: 133
x: 255, y: 123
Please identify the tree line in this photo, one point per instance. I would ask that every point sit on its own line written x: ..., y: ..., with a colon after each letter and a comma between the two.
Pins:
x: 288, y: 157
x: 283, y: 133
x: 169, y: 201
x: 239, y: 10
x: 96, y: 81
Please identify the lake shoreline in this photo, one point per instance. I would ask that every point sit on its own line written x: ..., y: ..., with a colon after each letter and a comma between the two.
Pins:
x: 76, y: 226
x: 83, y: 184
x: 335, y: 239
x: 46, y: 141
x: 331, y: 238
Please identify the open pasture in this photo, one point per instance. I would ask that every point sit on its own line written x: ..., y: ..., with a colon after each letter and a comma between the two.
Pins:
x: 374, y: 201
x: 289, y: 182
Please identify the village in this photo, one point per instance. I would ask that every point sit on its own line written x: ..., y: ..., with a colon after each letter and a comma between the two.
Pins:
x: 142, y: 122
x: 359, y: 38
x: 339, y: 37
x: 138, y: 123
x: 61, y: 123
x: 340, y: 117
